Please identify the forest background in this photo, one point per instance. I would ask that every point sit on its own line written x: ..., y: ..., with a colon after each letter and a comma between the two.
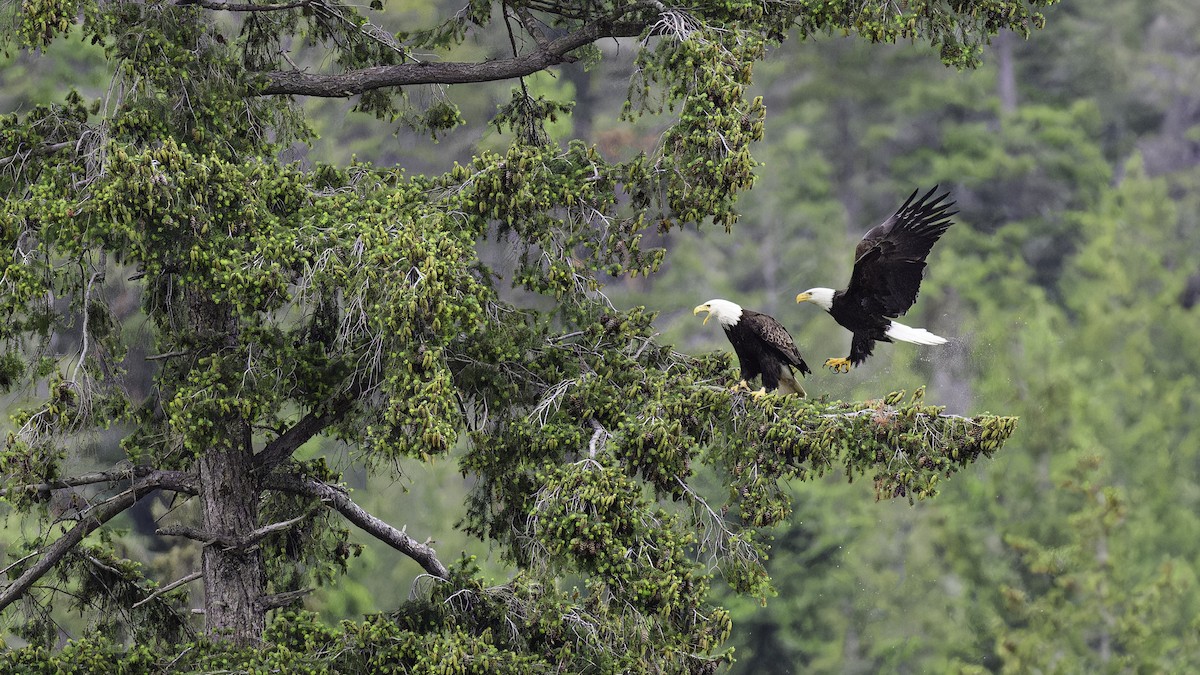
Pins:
x: 1068, y: 288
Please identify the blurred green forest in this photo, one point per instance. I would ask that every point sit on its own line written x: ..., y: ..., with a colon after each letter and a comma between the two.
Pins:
x: 1068, y: 288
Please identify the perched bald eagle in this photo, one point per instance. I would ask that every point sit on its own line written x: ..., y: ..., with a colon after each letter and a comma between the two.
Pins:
x: 888, y: 264
x: 762, y: 344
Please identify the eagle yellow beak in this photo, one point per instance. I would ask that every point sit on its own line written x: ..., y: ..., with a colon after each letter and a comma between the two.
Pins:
x: 803, y: 296
x: 703, y: 308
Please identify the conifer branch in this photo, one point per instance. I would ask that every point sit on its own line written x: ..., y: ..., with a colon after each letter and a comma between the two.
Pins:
x: 101, y: 514
x: 298, y: 434
x: 354, y: 82
x: 278, y: 600
x: 168, y: 588
x: 242, y: 7
x: 176, y: 481
x: 336, y: 497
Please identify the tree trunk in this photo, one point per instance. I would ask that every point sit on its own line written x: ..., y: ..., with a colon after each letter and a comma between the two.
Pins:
x: 234, y: 578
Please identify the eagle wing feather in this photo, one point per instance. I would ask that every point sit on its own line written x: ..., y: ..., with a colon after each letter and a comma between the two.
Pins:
x: 890, y: 259
x: 775, y: 336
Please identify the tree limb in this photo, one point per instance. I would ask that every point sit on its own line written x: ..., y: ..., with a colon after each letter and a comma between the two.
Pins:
x: 168, y: 588
x: 282, y: 599
x: 531, y: 26
x: 103, y: 513
x: 350, y: 83
x: 176, y: 481
x: 242, y: 542
x: 236, y: 7
x: 46, y: 149
x: 310, y: 425
x: 195, y: 534
x: 423, y: 554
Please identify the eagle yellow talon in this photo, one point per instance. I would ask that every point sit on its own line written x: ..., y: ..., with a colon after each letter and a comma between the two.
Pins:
x: 756, y: 395
x: 838, y: 365
x: 740, y: 386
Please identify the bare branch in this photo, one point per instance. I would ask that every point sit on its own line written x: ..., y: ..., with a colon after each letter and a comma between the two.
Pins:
x: 355, y: 82
x: 103, y: 513
x: 599, y: 436
x: 423, y: 554
x: 176, y: 481
x: 531, y: 26
x: 195, y: 534
x: 231, y: 542
x: 236, y: 7
x: 282, y: 599
x: 168, y: 355
x: 86, y: 309
x: 47, y: 149
x: 168, y: 588
x: 15, y: 563
x: 257, y: 535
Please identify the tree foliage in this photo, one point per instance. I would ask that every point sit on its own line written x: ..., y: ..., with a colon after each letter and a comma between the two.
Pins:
x: 285, y: 302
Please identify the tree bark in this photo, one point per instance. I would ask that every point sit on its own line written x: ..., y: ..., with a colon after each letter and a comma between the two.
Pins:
x: 229, y: 490
x: 234, y: 578
x: 354, y: 82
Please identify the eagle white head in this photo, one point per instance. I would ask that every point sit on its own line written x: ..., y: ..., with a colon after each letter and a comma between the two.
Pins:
x: 725, y: 312
x: 821, y: 297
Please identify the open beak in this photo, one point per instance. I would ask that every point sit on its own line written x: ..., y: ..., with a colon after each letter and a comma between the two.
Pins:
x: 803, y: 296
x: 703, y: 308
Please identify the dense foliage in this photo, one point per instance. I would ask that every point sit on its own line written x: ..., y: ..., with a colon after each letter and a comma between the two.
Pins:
x: 409, y: 317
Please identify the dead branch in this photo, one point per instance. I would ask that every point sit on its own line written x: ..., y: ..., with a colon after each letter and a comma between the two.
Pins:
x: 354, y: 82
x: 176, y: 481
x: 423, y: 554
x: 228, y: 541
x: 104, y: 512
x: 202, y: 536
x: 168, y: 588
x: 47, y: 149
x: 282, y: 599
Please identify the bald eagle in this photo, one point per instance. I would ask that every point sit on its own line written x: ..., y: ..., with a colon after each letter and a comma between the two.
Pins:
x: 762, y: 344
x: 888, y: 264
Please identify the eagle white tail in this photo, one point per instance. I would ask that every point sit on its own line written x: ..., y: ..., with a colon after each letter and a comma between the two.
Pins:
x: 788, y: 384
x: 919, y: 336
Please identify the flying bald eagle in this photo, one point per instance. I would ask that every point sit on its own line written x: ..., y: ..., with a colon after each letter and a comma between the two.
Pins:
x: 762, y: 344
x: 888, y: 263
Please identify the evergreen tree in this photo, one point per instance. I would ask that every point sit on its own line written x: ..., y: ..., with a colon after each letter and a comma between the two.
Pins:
x: 287, y: 302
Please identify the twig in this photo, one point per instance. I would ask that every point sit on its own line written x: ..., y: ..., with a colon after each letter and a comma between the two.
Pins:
x: 168, y: 588
x: 18, y: 562
x: 168, y: 355
x: 87, y: 297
